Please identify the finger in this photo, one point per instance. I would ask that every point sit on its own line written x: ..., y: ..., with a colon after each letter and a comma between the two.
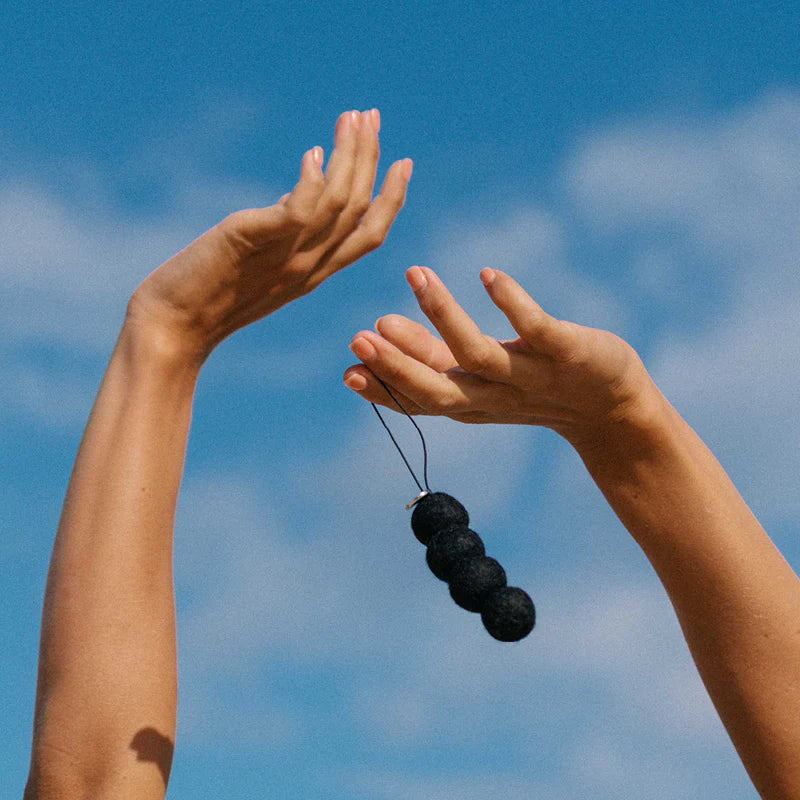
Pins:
x: 302, y: 200
x: 367, y: 156
x: 364, y: 383
x: 476, y: 353
x: 539, y: 330
x: 360, y: 380
x: 416, y: 341
x: 373, y: 227
x: 332, y: 227
x: 434, y: 392
x: 425, y: 387
x: 253, y: 225
x: 338, y: 173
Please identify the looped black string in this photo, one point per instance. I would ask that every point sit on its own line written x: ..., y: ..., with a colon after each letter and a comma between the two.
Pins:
x: 394, y: 441
x: 456, y: 554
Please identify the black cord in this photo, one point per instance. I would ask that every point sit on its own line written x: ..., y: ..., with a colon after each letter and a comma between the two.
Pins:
x: 422, y: 439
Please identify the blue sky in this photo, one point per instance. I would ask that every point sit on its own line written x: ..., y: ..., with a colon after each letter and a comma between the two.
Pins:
x: 635, y: 165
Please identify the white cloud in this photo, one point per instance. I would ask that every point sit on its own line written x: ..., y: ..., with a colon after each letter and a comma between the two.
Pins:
x: 255, y: 597
x: 732, y: 185
x: 66, y: 273
x: 58, y: 401
x: 617, y: 634
x: 529, y: 244
x: 738, y: 385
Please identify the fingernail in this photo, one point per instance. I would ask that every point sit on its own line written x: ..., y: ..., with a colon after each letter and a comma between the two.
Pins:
x: 355, y: 381
x: 363, y: 349
x: 389, y: 322
x: 408, y: 168
x: 355, y: 119
x: 376, y: 119
x: 317, y: 156
x: 416, y: 279
x: 487, y: 277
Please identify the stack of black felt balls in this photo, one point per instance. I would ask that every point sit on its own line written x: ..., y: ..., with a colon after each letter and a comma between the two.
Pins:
x: 477, y: 582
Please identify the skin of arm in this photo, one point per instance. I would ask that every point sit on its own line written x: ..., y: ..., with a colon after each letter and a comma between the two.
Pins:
x: 104, y: 723
x: 736, y: 598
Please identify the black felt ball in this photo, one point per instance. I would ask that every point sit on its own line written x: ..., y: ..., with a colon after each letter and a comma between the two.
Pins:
x: 449, y: 547
x: 435, y: 512
x: 473, y: 579
x: 508, y: 614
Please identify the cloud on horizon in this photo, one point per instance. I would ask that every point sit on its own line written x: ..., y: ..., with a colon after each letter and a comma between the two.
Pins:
x: 732, y: 186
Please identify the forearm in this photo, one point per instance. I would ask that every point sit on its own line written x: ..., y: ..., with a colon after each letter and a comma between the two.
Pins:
x: 105, y: 711
x: 106, y: 694
x: 737, y: 600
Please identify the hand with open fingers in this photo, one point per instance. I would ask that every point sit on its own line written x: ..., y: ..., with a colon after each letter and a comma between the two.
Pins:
x: 573, y: 379
x: 258, y: 259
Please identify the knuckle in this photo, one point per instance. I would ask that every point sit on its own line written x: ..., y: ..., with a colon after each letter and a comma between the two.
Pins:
x: 372, y: 236
x: 476, y: 359
x: 535, y: 326
x: 298, y: 215
x: 564, y: 345
x: 336, y: 200
x: 306, y: 287
x: 438, y: 400
x: 374, y: 239
x: 449, y: 403
x: 296, y: 269
x: 359, y: 206
x: 394, y: 201
x: 435, y: 307
x: 394, y: 374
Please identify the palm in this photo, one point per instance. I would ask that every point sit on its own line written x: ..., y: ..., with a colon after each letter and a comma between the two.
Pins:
x: 557, y: 374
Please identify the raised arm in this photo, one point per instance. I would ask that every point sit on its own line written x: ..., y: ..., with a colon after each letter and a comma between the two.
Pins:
x: 737, y: 600
x: 105, y: 707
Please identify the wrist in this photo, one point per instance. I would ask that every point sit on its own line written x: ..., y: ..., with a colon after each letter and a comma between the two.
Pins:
x: 634, y: 431
x: 158, y: 350
x: 153, y: 338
